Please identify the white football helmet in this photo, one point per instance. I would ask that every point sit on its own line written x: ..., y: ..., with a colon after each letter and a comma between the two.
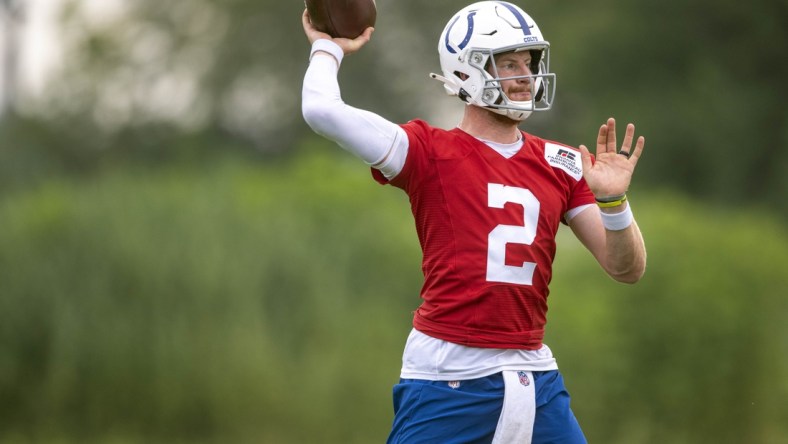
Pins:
x: 467, y: 49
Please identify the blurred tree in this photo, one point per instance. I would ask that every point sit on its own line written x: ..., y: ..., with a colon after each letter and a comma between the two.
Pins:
x: 703, y: 79
x: 232, y: 65
x: 11, y: 16
x: 700, y: 79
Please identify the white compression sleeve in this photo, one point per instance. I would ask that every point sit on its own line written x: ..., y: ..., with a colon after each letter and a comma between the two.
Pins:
x: 379, y: 142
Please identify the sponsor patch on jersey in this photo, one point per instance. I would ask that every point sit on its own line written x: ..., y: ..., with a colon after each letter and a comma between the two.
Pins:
x: 565, y: 158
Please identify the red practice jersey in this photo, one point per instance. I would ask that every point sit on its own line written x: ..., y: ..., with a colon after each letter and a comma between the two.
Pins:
x: 487, y: 228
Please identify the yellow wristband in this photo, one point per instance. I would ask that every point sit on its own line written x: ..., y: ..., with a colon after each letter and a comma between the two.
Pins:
x: 604, y: 203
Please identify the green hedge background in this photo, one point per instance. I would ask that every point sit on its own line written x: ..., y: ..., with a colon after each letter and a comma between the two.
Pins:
x: 246, y: 302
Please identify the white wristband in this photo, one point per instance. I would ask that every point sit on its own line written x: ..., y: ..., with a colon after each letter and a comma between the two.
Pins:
x: 618, y: 221
x: 329, y: 47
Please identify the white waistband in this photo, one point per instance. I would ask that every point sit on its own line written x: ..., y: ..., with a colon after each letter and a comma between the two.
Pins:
x: 434, y: 359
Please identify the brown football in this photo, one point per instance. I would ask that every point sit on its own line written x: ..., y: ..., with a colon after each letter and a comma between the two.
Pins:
x: 342, y: 18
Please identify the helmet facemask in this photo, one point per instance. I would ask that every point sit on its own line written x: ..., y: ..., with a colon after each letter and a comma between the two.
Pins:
x: 542, y: 85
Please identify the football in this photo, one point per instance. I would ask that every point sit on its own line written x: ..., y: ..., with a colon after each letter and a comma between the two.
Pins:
x: 342, y: 18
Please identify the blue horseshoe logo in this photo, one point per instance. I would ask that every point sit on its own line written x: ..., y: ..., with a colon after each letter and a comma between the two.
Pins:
x: 523, y: 25
x: 468, y: 35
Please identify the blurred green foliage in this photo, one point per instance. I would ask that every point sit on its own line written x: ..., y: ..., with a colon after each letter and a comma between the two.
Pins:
x: 243, y: 302
x: 181, y: 260
x: 199, y: 303
x: 696, y: 351
x: 701, y: 80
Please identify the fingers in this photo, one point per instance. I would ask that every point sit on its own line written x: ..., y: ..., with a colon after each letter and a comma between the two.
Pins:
x: 628, y: 135
x: 639, y: 145
x: 356, y: 44
x: 305, y: 20
x: 311, y: 33
x: 632, y: 153
x: 367, y: 34
x: 606, y: 139
x: 348, y: 46
x: 611, y: 146
x: 601, y: 140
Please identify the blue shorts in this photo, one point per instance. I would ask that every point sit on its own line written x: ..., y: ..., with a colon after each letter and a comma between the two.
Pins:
x: 435, y: 412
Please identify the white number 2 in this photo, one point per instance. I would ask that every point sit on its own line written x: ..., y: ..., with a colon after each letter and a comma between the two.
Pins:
x: 497, y: 270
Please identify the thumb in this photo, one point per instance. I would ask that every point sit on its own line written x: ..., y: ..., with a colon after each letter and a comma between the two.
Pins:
x: 353, y: 45
x: 585, y: 157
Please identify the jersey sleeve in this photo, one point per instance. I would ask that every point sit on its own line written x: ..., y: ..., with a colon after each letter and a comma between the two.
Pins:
x: 581, y: 195
x: 419, y: 135
x: 372, y: 138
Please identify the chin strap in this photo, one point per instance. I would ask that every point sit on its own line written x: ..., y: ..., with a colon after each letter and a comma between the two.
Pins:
x: 441, y: 79
x: 451, y: 88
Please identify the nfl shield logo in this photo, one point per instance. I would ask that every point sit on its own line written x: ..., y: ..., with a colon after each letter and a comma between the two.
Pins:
x: 524, y: 378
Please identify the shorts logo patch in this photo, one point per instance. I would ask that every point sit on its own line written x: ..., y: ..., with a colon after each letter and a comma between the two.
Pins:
x: 524, y: 378
x: 454, y: 384
x: 564, y: 158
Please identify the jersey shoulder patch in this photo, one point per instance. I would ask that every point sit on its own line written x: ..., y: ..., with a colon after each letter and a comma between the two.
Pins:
x: 565, y: 158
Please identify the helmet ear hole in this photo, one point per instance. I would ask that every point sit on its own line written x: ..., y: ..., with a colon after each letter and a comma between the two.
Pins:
x: 461, y: 75
x: 536, y: 58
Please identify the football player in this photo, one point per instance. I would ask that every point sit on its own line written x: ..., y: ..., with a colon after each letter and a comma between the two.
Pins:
x: 487, y: 199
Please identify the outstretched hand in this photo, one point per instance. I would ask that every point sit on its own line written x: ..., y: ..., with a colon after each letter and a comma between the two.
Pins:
x: 348, y: 46
x: 612, y: 172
